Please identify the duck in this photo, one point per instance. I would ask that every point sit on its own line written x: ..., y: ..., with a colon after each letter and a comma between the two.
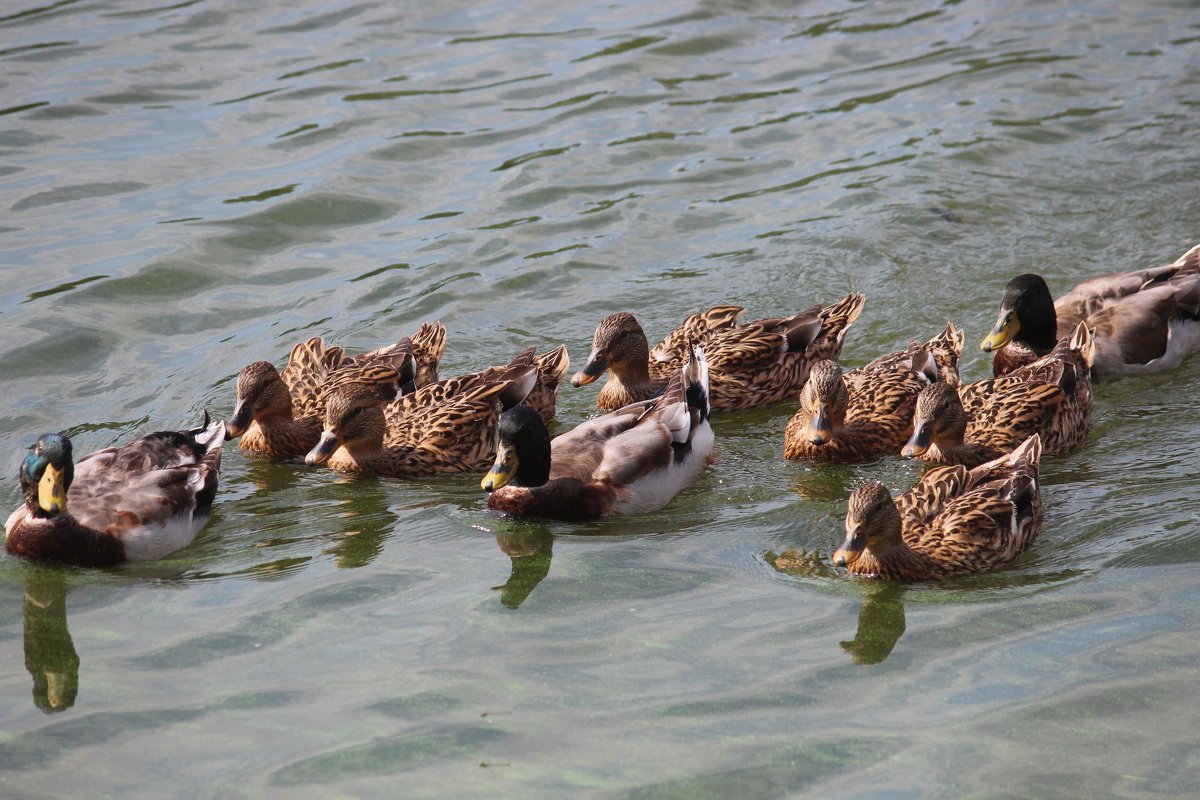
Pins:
x: 1143, y: 321
x: 955, y: 521
x: 445, y: 427
x: 981, y: 421
x: 755, y: 364
x: 279, y: 414
x: 867, y: 412
x: 630, y: 461
x: 140, y: 501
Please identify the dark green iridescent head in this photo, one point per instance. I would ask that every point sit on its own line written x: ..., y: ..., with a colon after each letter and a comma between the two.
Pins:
x: 47, y: 472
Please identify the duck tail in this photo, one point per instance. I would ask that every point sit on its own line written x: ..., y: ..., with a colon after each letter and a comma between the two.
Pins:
x: 1083, y: 341
x: 839, y: 316
x: 695, y: 377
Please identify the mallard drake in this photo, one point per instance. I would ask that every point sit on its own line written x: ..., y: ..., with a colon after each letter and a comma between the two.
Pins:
x: 1143, y: 321
x: 867, y: 412
x: 983, y: 420
x: 280, y: 414
x: 955, y: 521
x: 629, y: 461
x: 750, y: 365
x: 140, y: 501
x: 448, y: 426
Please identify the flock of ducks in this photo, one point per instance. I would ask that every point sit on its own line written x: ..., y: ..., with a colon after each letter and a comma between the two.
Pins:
x: 387, y: 413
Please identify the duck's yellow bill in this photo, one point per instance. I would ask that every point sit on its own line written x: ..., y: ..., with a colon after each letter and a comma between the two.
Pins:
x: 503, y: 471
x: 1006, y: 329
x: 52, y: 495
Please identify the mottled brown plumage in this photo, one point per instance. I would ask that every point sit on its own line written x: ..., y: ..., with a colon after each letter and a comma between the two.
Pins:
x: 1142, y: 321
x: 955, y: 521
x: 868, y: 412
x: 750, y: 365
x: 551, y: 369
x: 986, y: 419
x: 280, y: 413
x: 142, y: 500
x: 448, y: 426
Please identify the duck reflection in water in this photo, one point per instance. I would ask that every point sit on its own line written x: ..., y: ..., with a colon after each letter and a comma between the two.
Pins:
x: 880, y: 618
x: 530, y: 551
x: 880, y: 624
x: 367, y: 524
x: 355, y: 538
x: 50, y: 654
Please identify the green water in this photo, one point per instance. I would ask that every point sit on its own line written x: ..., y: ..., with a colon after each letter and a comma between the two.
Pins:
x: 192, y: 186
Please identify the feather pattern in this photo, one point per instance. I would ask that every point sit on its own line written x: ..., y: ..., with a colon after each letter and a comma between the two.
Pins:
x: 140, y: 501
x: 755, y: 364
x: 446, y: 427
x: 955, y: 521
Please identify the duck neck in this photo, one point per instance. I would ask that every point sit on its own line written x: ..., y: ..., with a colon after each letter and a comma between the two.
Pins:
x: 629, y: 378
x: 1039, y: 324
x: 534, y: 467
x: 281, y: 437
x: 895, y: 560
x: 968, y: 453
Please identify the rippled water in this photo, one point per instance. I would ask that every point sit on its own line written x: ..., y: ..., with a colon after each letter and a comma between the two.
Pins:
x: 193, y: 186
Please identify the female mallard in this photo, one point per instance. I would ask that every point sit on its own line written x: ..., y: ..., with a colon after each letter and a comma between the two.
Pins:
x: 140, y: 501
x: 983, y: 420
x: 279, y: 414
x: 867, y: 412
x: 1143, y: 321
x: 448, y: 426
x: 955, y: 521
x: 629, y: 461
x: 750, y: 365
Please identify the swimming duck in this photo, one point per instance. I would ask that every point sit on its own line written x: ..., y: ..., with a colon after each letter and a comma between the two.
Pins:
x: 955, y: 521
x: 868, y: 412
x: 1143, y: 321
x: 140, y: 501
x: 629, y: 461
x: 448, y: 426
x: 750, y: 365
x: 280, y: 414
x: 983, y: 420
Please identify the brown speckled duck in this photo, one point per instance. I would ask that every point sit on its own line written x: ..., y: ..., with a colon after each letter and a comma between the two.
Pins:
x: 955, y: 521
x: 750, y: 365
x: 1143, y: 321
x: 630, y: 461
x: 868, y: 412
x: 986, y: 419
x: 280, y: 414
x: 448, y: 426
x: 140, y: 501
